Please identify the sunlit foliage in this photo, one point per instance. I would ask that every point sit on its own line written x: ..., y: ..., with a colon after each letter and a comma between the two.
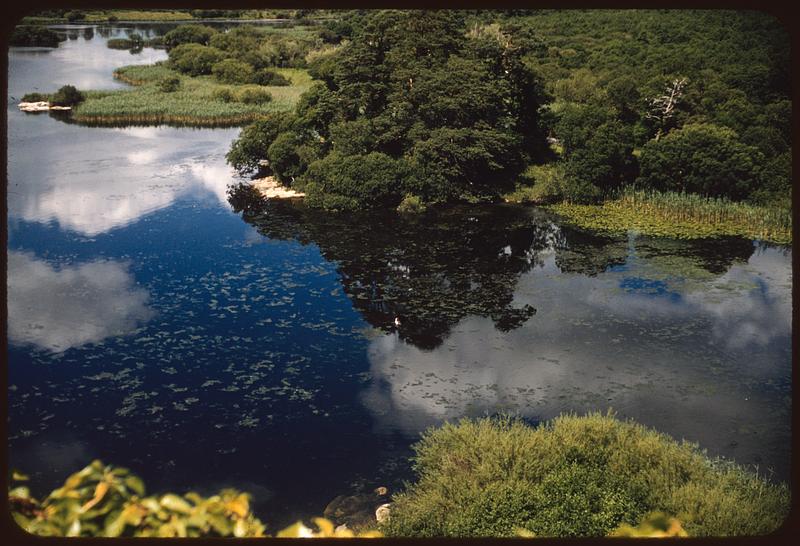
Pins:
x: 574, y: 476
x: 107, y: 501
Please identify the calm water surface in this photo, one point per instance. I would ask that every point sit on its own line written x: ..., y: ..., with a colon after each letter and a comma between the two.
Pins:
x: 162, y: 317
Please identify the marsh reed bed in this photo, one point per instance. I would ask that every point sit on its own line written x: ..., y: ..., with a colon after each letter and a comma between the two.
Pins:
x: 681, y: 215
x: 197, y: 101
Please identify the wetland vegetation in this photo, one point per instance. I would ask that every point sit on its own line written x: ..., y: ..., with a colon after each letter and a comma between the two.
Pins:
x: 529, y: 215
x: 681, y: 216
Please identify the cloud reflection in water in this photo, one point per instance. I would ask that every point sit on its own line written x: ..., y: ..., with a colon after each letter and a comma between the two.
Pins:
x: 58, y: 308
x: 678, y: 359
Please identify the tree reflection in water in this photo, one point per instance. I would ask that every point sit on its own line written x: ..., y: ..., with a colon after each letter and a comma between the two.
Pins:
x: 420, y: 274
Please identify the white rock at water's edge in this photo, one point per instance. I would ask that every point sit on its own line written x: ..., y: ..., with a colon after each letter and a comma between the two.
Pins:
x: 40, y: 106
x: 270, y: 188
x: 382, y: 513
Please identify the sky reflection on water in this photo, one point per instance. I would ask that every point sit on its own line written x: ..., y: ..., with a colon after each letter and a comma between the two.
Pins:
x: 164, y: 320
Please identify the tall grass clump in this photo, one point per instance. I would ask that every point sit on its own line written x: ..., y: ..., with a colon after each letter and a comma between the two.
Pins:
x: 574, y: 476
x: 681, y: 206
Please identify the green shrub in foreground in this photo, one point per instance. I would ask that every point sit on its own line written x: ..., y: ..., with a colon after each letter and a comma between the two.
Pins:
x: 574, y: 476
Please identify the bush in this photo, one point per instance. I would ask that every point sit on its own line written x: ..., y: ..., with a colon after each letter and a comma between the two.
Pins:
x: 67, y: 96
x: 269, y: 77
x: 355, y: 181
x: 250, y: 148
x: 253, y: 95
x: 194, y: 59
x: 412, y: 204
x: 283, y: 158
x: 224, y: 95
x: 35, y: 97
x: 136, y: 38
x: 776, y: 182
x: 541, y: 184
x: 237, y: 41
x: 169, y: 84
x: 454, y: 164
x: 112, y: 19
x: 232, y: 71
x: 701, y: 158
x: 574, y: 476
x: 188, y: 34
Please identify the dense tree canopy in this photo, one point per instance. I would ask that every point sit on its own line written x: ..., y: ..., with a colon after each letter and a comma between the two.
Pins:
x: 434, y: 109
x: 705, y: 159
x: 188, y: 34
x: 462, y: 102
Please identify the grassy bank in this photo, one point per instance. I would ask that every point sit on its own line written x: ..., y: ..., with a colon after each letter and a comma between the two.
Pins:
x: 575, y: 476
x: 682, y: 216
x: 198, y: 101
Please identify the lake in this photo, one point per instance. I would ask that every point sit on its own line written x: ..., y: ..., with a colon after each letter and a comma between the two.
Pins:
x: 163, y: 317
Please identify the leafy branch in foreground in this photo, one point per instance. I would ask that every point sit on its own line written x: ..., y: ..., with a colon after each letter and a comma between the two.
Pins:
x: 107, y: 501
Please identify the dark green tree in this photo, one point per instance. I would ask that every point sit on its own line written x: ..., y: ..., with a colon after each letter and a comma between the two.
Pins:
x: 701, y: 158
x: 195, y: 59
x: 188, y: 34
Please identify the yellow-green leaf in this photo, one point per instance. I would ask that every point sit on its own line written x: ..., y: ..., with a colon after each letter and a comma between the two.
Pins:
x: 135, y: 484
x: 175, y: 503
x: 298, y: 530
x: 115, y: 525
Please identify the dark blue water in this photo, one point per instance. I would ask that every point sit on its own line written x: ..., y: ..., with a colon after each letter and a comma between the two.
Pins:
x: 163, y: 318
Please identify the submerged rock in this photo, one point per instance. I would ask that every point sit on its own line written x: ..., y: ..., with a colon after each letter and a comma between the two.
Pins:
x: 359, y: 511
x: 382, y: 513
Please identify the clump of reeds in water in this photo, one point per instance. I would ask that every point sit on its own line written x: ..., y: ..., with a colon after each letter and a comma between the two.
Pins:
x: 761, y: 222
x: 680, y: 215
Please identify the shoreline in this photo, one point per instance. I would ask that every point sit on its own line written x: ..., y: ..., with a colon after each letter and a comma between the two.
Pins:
x: 270, y: 188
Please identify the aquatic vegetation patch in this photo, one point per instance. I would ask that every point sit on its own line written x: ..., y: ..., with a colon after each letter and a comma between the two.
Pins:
x: 681, y: 216
x: 574, y: 476
x: 199, y: 101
